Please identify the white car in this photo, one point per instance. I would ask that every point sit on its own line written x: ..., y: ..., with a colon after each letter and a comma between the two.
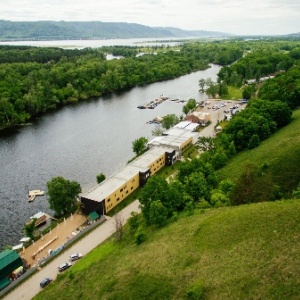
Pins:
x: 75, y: 256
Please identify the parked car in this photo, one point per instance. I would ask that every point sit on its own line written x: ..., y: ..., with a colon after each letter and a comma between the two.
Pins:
x: 45, y: 282
x: 75, y: 256
x: 64, y: 266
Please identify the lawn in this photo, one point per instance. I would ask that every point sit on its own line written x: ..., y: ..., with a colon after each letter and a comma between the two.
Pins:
x: 245, y: 252
x: 281, y: 152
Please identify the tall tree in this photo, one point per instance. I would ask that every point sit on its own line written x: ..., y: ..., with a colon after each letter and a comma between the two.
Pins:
x: 63, y: 195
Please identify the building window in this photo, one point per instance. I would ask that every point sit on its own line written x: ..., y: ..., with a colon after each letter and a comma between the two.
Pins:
x: 118, y: 199
x: 108, y: 200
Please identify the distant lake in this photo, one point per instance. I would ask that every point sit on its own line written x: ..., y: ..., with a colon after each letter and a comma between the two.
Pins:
x: 80, y: 44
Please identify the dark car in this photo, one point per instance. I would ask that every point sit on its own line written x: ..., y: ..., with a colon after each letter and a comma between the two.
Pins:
x: 64, y: 266
x: 45, y: 282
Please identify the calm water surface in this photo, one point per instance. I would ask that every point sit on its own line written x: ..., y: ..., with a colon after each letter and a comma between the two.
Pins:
x: 79, y: 44
x: 78, y: 142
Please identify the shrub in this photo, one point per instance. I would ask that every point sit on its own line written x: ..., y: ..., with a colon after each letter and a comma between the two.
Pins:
x: 140, y: 236
x: 195, y: 291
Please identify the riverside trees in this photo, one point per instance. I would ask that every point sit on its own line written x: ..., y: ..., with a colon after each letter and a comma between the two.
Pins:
x: 34, y: 80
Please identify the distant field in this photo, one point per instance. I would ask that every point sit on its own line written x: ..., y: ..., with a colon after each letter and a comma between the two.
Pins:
x: 244, y: 252
x: 281, y: 152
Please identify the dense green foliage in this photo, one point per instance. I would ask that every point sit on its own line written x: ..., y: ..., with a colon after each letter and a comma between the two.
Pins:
x: 245, y: 252
x: 34, y: 80
x: 169, y: 121
x: 262, y: 58
x: 139, y: 145
x: 272, y: 168
x: 189, y: 106
x: 260, y: 119
x: 63, y: 195
x: 100, y: 177
x: 284, y: 87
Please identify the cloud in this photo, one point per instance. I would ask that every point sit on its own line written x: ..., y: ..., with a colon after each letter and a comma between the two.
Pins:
x: 241, y: 17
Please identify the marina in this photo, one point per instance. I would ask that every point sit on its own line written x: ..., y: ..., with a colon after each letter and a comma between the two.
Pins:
x: 154, y: 103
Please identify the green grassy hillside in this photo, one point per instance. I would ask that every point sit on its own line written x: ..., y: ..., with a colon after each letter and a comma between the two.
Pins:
x: 281, y: 152
x: 244, y: 252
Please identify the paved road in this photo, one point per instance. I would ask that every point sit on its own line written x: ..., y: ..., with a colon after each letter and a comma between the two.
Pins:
x: 31, y: 287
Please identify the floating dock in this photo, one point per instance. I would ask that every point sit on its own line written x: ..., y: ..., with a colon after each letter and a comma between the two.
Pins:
x: 32, y: 194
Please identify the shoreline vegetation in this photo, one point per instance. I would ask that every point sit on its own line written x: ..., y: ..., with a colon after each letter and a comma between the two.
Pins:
x: 48, y: 78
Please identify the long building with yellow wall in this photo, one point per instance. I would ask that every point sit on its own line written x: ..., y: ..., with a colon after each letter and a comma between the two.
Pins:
x: 109, y: 193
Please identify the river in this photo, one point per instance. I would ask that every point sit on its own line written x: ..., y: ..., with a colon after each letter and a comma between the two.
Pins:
x: 78, y: 142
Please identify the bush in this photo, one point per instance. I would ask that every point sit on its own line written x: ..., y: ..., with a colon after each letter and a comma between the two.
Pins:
x: 140, y: 236
x: 195, y: 291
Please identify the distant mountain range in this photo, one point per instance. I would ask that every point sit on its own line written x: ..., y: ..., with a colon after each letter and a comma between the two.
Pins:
x: 53, y: 30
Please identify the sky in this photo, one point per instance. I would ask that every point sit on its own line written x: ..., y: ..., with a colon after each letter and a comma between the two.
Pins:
x: 253, y: 17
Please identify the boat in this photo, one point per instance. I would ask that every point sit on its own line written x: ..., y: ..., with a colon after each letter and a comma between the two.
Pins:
x: 142, y: 107
x: 32, y: 194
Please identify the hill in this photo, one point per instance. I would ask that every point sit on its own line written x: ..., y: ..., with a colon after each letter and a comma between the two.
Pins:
x: 280, y: 153
x: 244, y: 252
x: 52, y: 30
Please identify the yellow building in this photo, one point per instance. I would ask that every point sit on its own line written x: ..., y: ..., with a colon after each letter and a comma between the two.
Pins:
x: 109, y: 193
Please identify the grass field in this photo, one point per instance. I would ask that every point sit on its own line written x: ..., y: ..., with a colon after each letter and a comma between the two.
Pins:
x: 244, y: 252
x: 281, y: 152
x: 234, y: 93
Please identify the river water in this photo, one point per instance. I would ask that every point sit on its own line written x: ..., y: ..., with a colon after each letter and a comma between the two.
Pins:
x: 78, y: 142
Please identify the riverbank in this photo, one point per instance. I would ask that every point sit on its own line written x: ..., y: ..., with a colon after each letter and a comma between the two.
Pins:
x: 78, y: 142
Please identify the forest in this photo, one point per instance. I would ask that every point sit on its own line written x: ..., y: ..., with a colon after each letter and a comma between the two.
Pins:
x: 34, y: 80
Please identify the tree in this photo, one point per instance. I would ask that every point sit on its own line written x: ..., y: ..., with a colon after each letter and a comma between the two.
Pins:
x: 119, y: 222
x: 196, y: 186
x: 254, y: 141
x: 139, y: 145
x: 63, y: 195
x: 202, y: 84
x: 156, y: 188
x: 218, y: 199
x: 296, y: 193
x: 158, y: 213
x: 29, y: 229
x: 100, y: 177
x: 206, y: 143
x: 169, y: 121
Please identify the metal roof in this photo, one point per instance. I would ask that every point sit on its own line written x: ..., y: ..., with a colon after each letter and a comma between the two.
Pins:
x: 111, y: 184
x: 7, y: 257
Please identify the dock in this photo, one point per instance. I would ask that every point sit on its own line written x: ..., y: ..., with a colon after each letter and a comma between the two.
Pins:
x: 32, y: 194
